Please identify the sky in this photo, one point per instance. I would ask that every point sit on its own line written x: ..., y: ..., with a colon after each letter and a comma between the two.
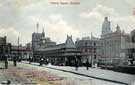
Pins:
x: 19, y: 18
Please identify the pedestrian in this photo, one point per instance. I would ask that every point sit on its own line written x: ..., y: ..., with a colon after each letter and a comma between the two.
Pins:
x: 41, y: 61
x: 47, y: 61
x: 30, y: 60
x: 14, y: 61
x: 76, y: 64
x: 6, y: 62
x: 87, y: 64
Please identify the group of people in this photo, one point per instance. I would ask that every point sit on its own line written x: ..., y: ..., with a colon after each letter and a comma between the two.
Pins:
x: 6, y: 61
x: 87, y: 64
x: 42, y: 61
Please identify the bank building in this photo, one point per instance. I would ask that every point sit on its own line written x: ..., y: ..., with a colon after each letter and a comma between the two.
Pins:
x: 117, y: 47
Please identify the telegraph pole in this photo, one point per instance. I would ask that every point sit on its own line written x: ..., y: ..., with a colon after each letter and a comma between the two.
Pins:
x: 18, y: 49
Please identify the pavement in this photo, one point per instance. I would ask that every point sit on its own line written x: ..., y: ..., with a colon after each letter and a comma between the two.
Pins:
x: 27, y: 74
x: 11, y: 75
x: 33, y: 74
x: 24, y: 74
x: 106, y: 75
x: 96, y: 73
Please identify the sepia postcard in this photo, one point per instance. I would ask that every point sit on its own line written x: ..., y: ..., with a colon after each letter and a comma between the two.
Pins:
x: 67, y: 42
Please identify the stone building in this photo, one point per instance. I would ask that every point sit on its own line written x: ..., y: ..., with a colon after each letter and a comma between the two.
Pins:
x: 59, y: 54
x: 106, y: 26
x: 129, y: 49
x: 39, y: 40
x: 90, y: 49
x: 5, y: 48
x: 113, y: 44
x: 22, y: 52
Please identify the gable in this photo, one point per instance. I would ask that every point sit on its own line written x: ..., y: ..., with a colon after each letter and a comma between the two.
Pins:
x: 69, y: 42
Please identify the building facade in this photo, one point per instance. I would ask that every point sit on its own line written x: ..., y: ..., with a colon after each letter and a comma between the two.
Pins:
x: 21, y: 52
x: 39, y: 40
x: 90, y: 49
x: 129, y: 49
x: 59, y: 54
x: 113, y: 45
x: 106, y: 26
x: 5, y: 48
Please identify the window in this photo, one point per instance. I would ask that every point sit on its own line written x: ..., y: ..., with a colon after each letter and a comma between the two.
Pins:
x: 94, y: 56
x: 86, y: 49
x: 90, y: 43
x: 94, y: 44
x: 90, y: 50
x: 94, y: 50
x: 86, y: 43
